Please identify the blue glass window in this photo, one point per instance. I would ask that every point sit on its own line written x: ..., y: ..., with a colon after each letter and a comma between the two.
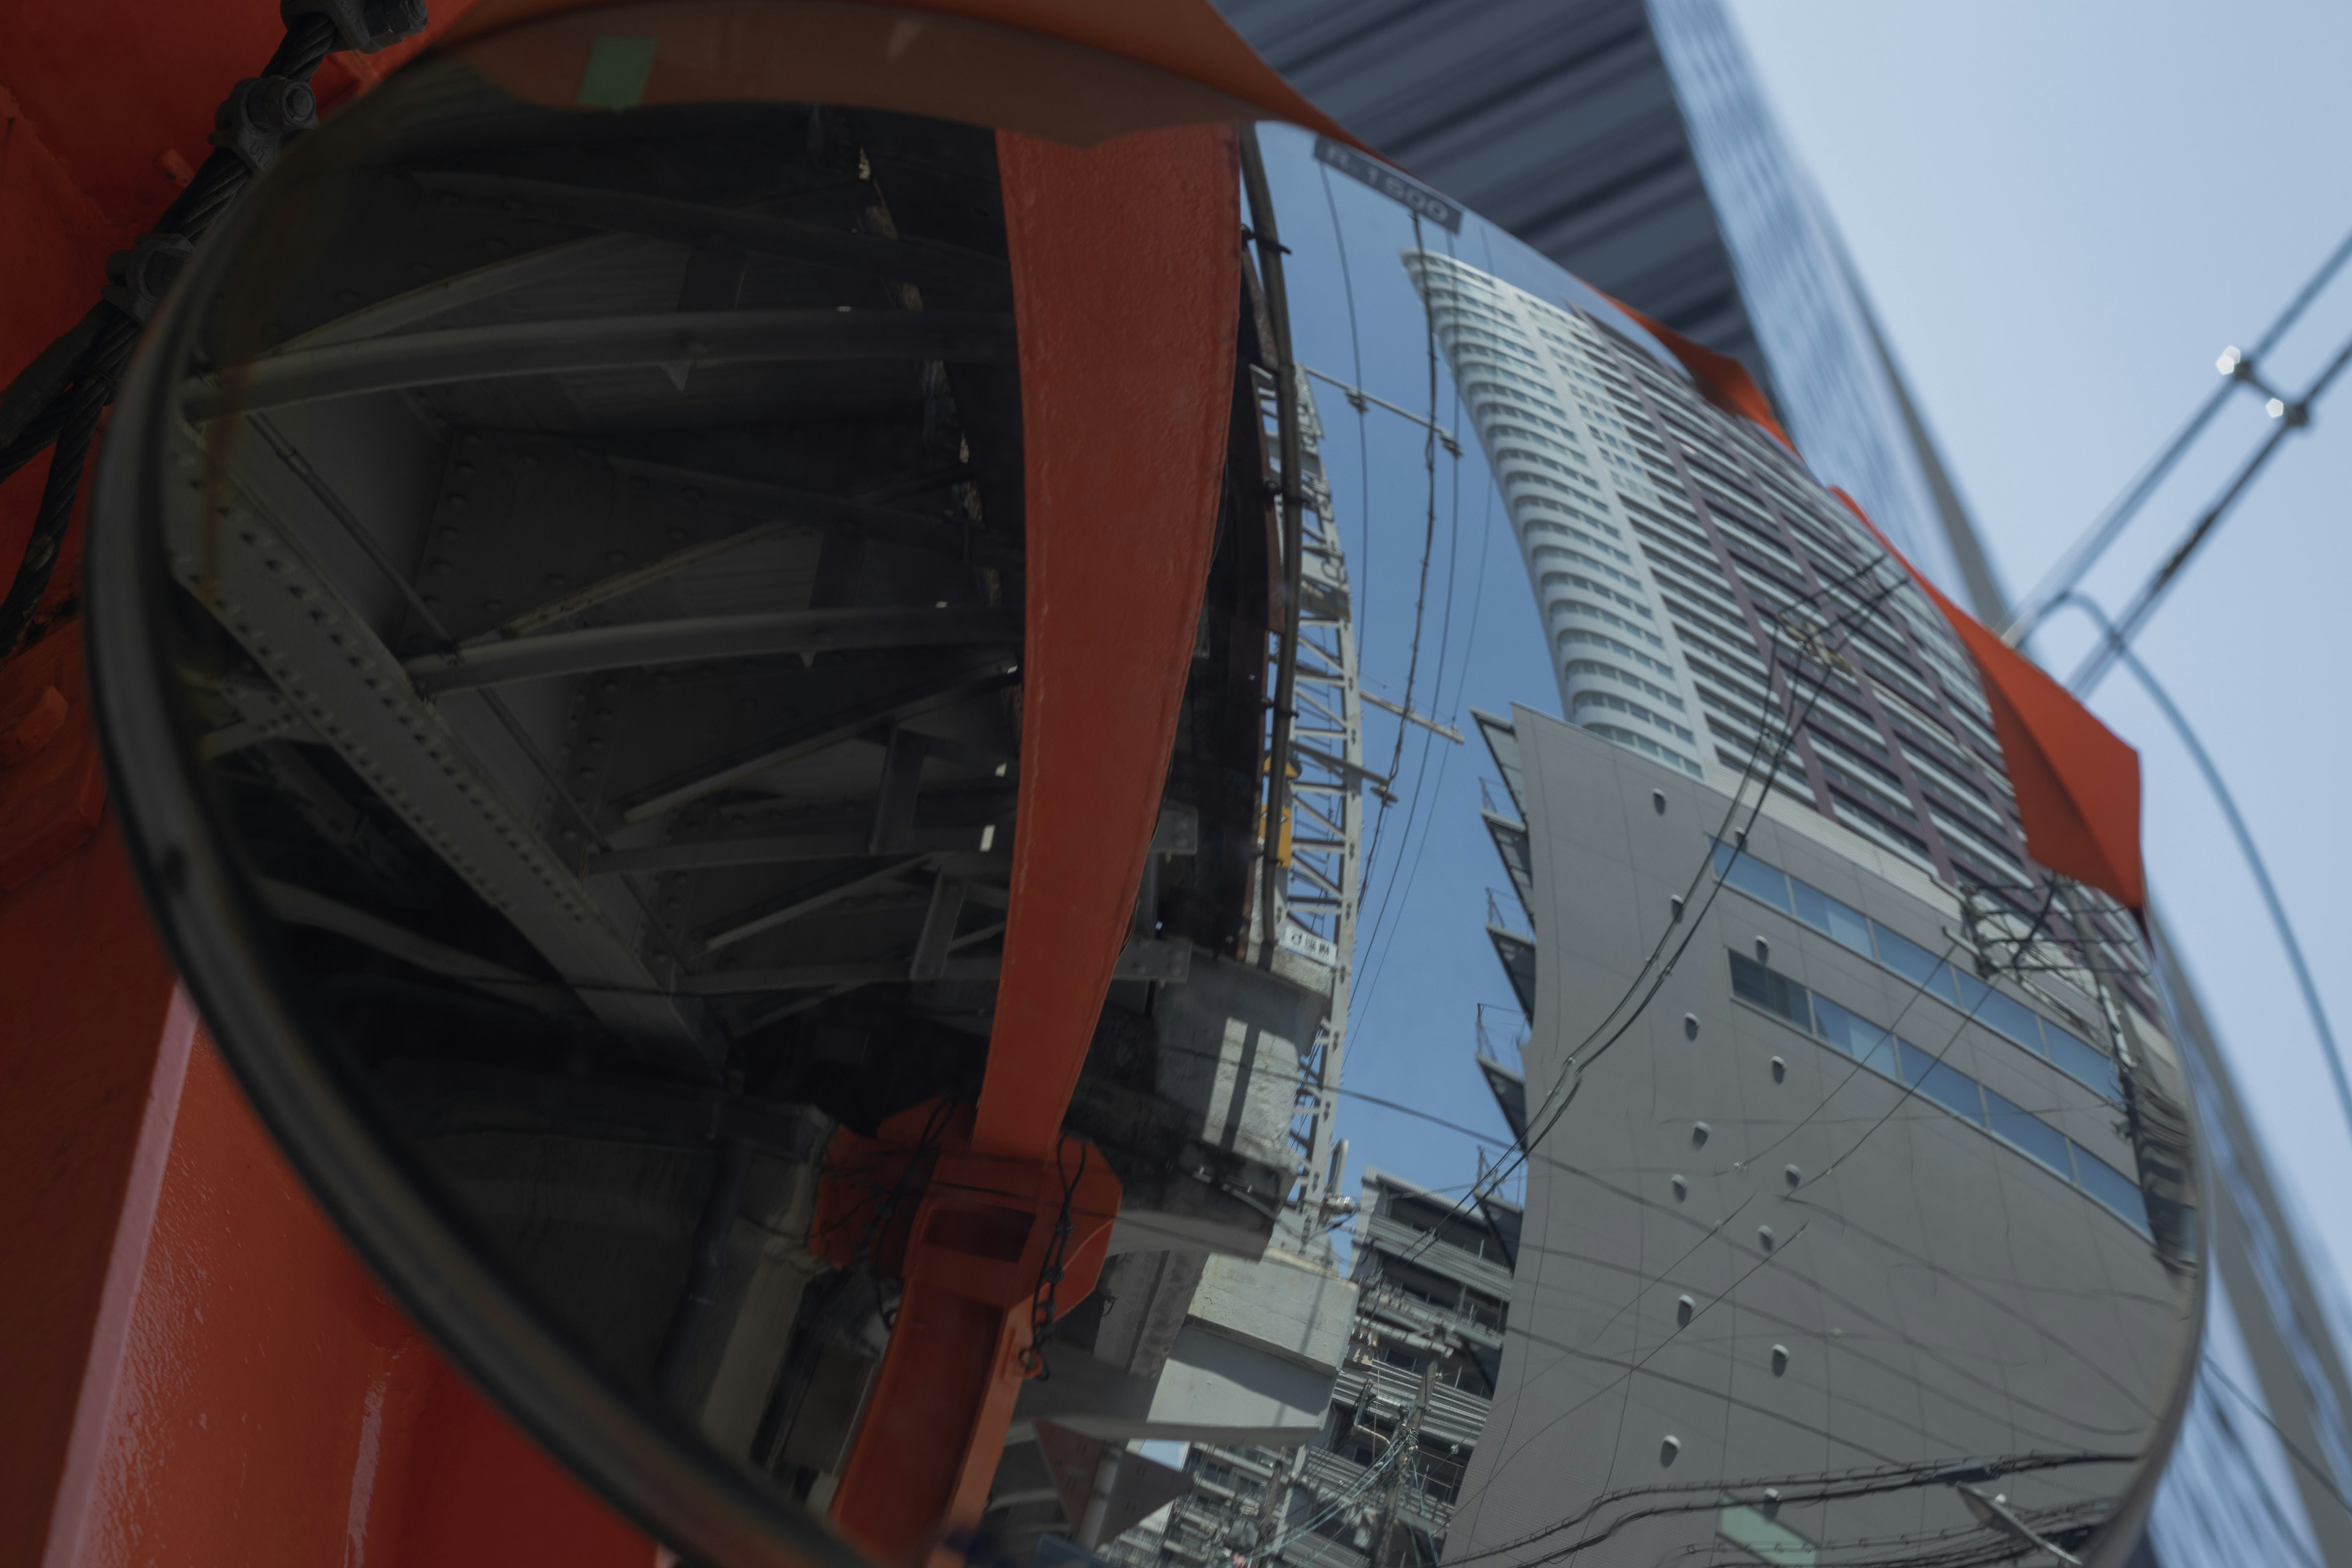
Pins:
x: 2029, y: 1133
x: 2079, y: 1061
x: 2003, y: 1014
x: 1752, y: 877
x: 1914, y: 963
x: 1948, y: 1087
x: 1863, y: 1040
x: 1833, y: 919
x: 1773, y: 993
x: 2116, y: 1191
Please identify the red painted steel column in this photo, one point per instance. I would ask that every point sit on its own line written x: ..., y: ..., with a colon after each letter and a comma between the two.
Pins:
x: 1126, y: 276
x: 251, y: 1398
x: 84, y: 998
x: 195, y: 1370
x: 974, y: 1258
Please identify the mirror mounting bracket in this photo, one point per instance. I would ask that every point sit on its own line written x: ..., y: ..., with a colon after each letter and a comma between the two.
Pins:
x: 989, y: 1250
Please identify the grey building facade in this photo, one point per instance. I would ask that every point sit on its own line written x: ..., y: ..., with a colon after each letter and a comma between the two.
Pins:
x: 1814, y: 1244
x: 1852, y: 1182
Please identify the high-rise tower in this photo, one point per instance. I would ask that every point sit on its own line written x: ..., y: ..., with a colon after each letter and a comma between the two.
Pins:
x: 1856, y: 1148
x: 1679, y: 560
x: 1628, y: 142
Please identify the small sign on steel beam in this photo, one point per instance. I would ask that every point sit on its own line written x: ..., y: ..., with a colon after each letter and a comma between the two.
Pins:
x: 1400, y: 188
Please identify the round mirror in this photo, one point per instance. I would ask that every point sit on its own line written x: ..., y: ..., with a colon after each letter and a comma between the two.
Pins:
x: 726, y: 639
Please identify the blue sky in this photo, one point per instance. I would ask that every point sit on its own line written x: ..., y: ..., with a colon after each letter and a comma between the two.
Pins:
x: 2062, y: 213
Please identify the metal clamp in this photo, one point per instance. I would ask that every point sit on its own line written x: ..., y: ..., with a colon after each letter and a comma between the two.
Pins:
x: 367, y: 25
x: 260, y: 115
x: 137, y: 279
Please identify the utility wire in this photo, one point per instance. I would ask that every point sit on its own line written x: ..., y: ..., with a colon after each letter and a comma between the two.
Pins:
x: 2213, y: 1368
x: 1363, y: 436
x: 2290, y: 416
x: 2238, y: 829
x: 1402, y: 875
x: 2078, y: 560
x: 1420, y: 595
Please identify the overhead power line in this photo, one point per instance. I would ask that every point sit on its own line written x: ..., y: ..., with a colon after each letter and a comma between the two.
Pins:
x: 2291, y: 417
x: 2253, y: 857
x: 2243, y: 370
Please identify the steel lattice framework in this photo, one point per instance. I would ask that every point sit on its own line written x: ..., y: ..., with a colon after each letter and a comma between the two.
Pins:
x: 1323, y: 862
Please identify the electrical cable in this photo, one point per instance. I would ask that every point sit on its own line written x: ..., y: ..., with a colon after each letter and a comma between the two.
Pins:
x: 1449, y: 713
x: 2291, y: 417
x: 68, y: 420
x: 1416, y: 796
x: 1570, y: 1073
x: 2327, y: 1482
x: 1357, y: 1488
x: 1363, y: 433
x: 1781, y: 749
x: 1829, y: 1486
x: 2239, y: 830
x: 1421, y: 596
x: 2079, y: 558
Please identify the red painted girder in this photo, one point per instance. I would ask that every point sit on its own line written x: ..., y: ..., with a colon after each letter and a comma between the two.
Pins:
x: 972, y: 1237
x: 1126, y: 277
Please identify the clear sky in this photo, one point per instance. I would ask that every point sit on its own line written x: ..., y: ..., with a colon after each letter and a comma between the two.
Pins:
x: 2063, y: 212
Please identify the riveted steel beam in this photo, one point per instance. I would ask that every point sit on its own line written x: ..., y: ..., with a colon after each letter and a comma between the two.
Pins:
x: 822, y: 733
x: 509, y: 276
x: 600, y: 342
x: 884, y: 524
x: 259, y: 580
x: 797, y: 511
x: 807, y: 902
x: 299, y: 906
x: 709, y: 638
x: 696, y: 223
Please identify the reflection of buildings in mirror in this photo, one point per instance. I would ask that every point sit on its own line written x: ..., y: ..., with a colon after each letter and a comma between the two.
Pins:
x: 756, y: 807
x: 1377, y: 1484
x: 1788, y: 1248
x: 1629, y: 144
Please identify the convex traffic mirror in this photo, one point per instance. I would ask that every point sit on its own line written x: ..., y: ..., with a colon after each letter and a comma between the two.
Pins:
x: 726, y: 638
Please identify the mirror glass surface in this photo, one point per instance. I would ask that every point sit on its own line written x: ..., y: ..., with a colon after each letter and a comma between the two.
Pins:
x: 560, y: 613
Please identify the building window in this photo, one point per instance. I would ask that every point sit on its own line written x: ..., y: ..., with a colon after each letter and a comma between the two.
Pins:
x: 1940, y: 1084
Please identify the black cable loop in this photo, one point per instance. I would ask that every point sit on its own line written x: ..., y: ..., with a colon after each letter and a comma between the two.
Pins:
x: 1044, y: 1307
x: 68, y: 424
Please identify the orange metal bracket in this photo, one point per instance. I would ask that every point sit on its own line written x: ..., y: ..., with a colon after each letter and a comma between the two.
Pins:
x: 978, y: 1242
x: 1127, y: 274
